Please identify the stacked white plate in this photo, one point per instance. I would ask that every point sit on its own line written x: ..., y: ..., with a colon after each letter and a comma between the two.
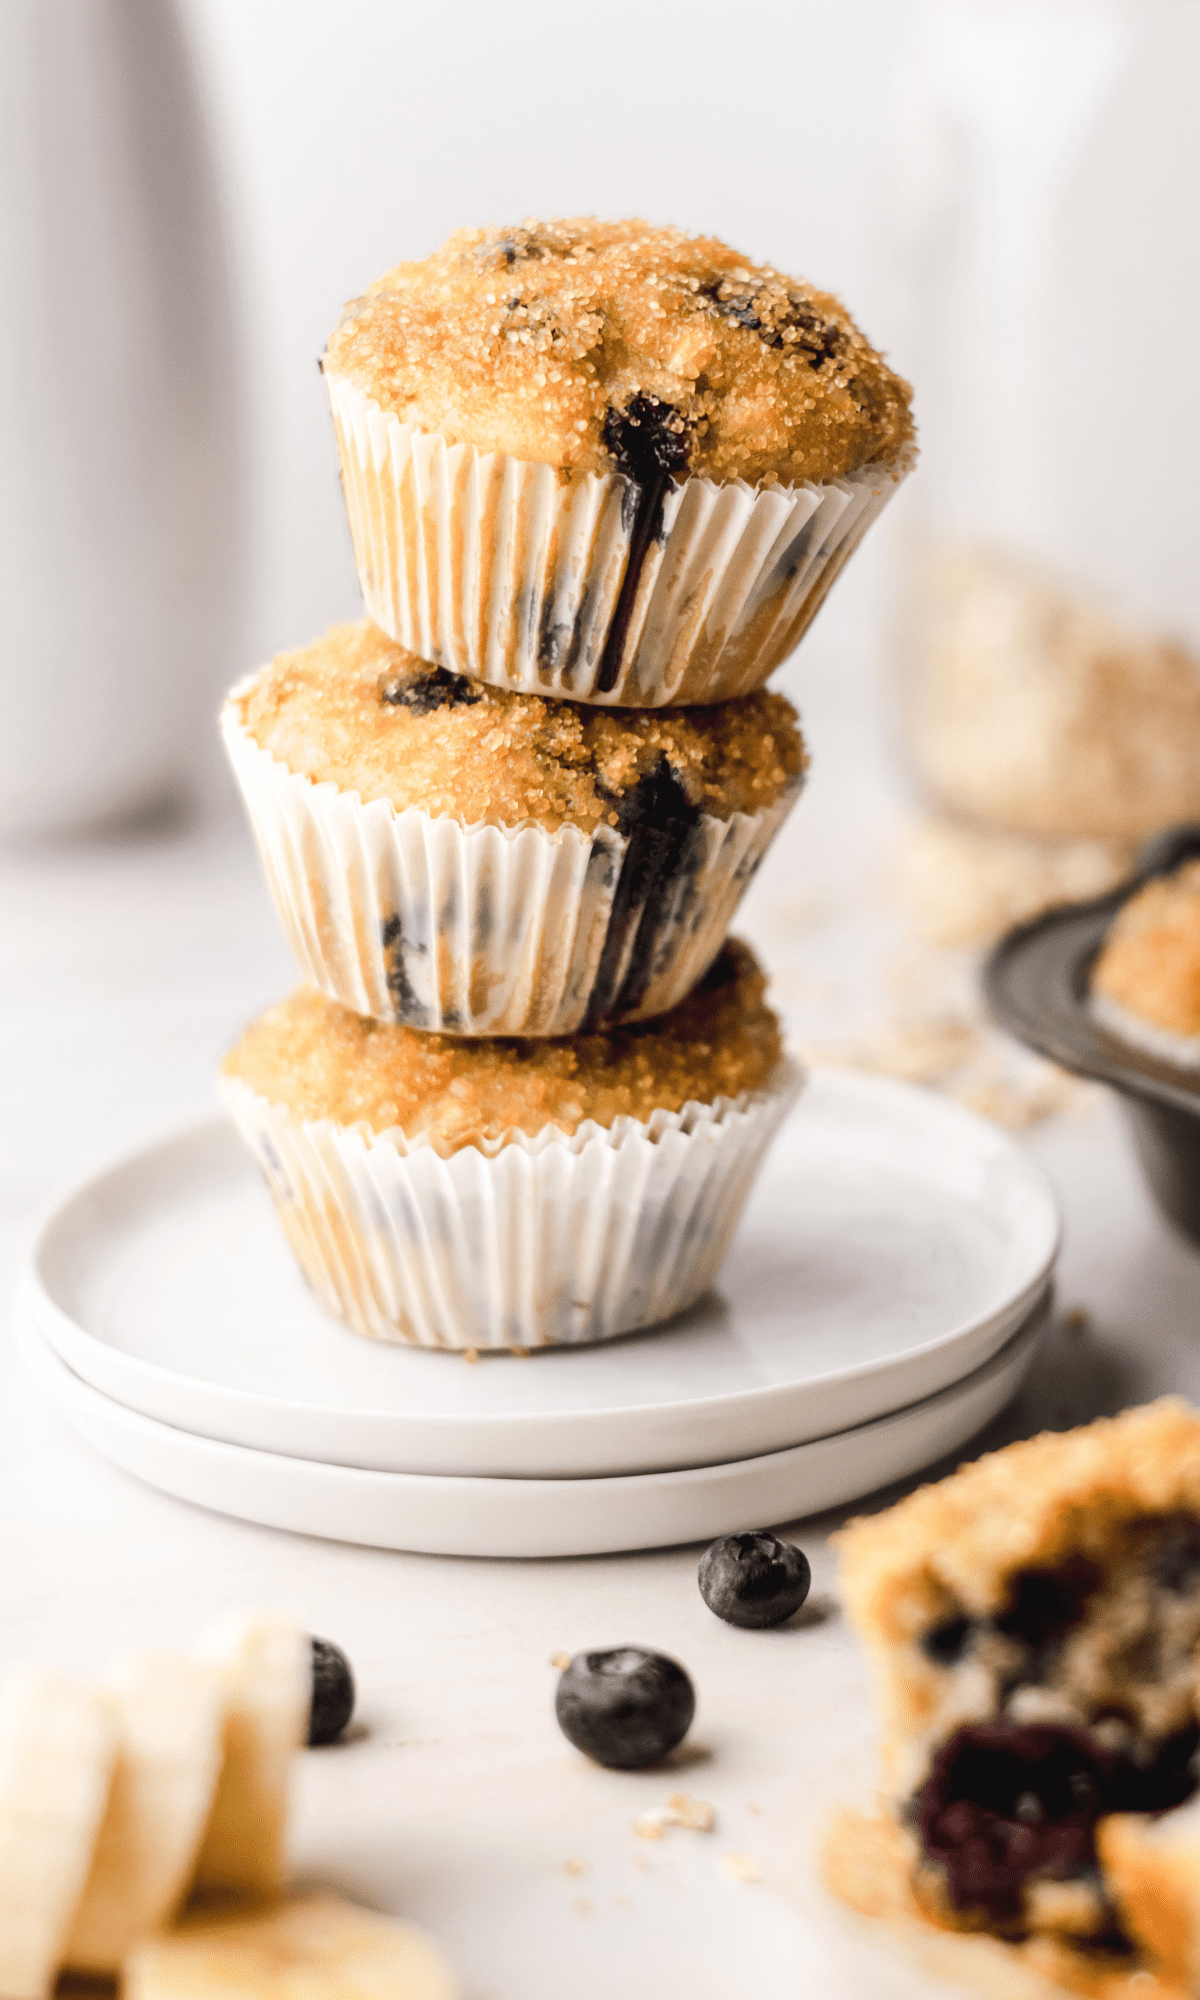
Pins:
x: 882, y: 1302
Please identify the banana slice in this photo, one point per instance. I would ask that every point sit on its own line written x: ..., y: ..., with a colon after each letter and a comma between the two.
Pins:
x: 267, y: 1662
x: 58, y: 1747
x: 171, y: 1715
x: 315, y: 1944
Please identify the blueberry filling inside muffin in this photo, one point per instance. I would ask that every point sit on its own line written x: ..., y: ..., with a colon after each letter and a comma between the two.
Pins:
x: 1006, y: 1803
x: 1092, y: 1667
x: 649, y: 442
x: 1034, y: 1627
x: 430, y: 690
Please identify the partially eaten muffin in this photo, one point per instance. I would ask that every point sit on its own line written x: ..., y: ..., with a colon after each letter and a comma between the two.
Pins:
x: 1033, y: 1624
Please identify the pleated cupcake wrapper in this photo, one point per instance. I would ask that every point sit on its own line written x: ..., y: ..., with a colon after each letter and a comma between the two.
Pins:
x: 520, y: 1242
x: 489, y: 929
x: 510, y: 572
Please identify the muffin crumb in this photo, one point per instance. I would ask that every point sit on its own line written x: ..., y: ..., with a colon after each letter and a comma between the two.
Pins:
x: 742, y: 1867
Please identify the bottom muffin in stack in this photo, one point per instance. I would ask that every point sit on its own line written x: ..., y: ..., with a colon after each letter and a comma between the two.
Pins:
x: 513, y: 1192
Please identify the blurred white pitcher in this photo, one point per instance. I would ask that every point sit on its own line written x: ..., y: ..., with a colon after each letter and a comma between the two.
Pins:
x: 119, y: 472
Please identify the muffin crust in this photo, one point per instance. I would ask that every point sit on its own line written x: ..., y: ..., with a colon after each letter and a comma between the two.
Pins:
x: 359, y: 711
x: 614, y: 346
x: 1150, y: 961
x: 320, y: 1060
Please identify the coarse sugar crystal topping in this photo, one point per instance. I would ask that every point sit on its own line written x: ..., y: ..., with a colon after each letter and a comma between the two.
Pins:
x: 357, y: 710
x: 320, y: 1060
x: 615, y: 346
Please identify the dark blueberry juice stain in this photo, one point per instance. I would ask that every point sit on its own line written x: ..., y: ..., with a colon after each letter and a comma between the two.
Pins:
x: 722, y: 972
x: 434, y: 688
x: 657, y: 819
x: 651, y: 448
x: 408, y: 1007
x: 1005, y: 1802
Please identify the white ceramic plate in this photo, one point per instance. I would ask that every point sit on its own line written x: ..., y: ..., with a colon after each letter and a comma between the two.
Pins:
x: 892, y: 1244
x: 443, y: 1516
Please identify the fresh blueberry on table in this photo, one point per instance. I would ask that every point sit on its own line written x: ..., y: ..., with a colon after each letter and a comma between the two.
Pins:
x: 753, y: 1580
x: 332, y: 1692
x: 626, y: 1707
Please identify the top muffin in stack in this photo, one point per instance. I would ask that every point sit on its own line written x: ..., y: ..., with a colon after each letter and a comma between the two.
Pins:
x: 605, y: 461
x: 602, y: 468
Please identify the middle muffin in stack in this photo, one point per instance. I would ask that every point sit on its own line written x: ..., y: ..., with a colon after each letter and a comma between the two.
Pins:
x: 481, y: 842
x: 456, y: 857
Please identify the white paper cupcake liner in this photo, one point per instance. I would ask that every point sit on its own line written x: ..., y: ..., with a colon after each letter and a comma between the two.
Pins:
x: 523, y: 1242
x: 510, y: 572
x: 491, y: 929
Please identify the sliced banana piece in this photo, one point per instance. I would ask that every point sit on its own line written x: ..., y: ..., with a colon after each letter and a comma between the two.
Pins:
x: 267, y: 1662
x: 315, y: 1944
x: 171, y: 1717
x: 58, y: 1747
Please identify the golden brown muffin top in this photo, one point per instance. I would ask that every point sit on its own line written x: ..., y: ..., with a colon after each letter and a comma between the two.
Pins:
x: 359, y: 711
x: 1150, y: 960
x: 319, y: 1060
x: 1033, y: 1506
x: 613, y: 346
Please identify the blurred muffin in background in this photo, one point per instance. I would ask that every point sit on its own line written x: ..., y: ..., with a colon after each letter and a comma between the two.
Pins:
x: 1146, y: 980
x: 606, y: 461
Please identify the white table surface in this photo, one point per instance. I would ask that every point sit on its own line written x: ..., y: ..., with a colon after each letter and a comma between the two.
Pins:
x: 127, y: 966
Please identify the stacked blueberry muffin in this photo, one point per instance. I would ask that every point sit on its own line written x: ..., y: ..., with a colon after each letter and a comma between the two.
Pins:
x: 599, y: 478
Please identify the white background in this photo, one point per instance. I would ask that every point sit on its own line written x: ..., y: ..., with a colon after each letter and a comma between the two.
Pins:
x: 348, y: 136
x: 353, y: 136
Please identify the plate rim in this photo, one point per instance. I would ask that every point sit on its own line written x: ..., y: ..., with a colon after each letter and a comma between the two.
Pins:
x: 462, y: 1516
x: 1023, y: 1342
x: 73, y: 1340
